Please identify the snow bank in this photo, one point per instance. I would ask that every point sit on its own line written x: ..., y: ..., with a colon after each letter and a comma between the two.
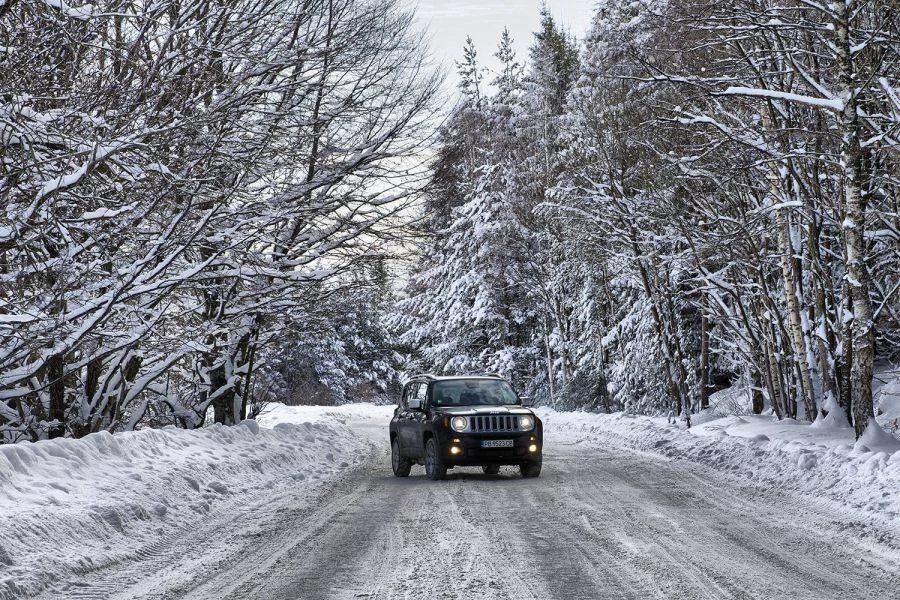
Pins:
x: 73, y: 505
x: 858, y: 479
x: 279, y: 413
x: 887, y: 397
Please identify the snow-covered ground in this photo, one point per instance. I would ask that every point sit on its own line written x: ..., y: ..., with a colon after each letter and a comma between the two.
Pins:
x: 73, y: 505
x: 75, y: 512
x: 822, y: 461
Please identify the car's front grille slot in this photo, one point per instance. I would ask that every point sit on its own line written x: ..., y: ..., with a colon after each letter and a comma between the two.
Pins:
x: 494, y: 423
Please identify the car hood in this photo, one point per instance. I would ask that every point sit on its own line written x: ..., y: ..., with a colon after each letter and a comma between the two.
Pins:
x: 483, y: 410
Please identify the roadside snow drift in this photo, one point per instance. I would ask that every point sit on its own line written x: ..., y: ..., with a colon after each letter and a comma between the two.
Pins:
x: 73, y: 505
x: 859, y: 479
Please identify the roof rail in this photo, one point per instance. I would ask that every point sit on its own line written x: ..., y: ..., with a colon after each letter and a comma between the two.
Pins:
x: 498, y: 375
x: 424, y: 376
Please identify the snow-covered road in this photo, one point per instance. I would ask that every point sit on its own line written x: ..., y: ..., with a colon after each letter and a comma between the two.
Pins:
x: 599, y: 523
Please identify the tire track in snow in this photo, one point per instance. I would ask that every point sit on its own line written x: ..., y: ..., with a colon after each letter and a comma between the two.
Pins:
x: 695, y: 537
x: 600, y: 523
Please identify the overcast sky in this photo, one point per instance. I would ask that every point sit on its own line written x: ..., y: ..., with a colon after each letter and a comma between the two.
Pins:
x: 449, y: 22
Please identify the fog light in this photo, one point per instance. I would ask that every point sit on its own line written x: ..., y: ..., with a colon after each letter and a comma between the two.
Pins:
x: 532, y: 448
x: 454, y: 450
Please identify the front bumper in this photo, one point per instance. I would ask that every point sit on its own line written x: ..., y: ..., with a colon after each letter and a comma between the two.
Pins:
x: 472, y: 454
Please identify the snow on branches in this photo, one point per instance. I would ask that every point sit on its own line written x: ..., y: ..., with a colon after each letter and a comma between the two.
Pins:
x: 181, y: 181
x: 706, y: 194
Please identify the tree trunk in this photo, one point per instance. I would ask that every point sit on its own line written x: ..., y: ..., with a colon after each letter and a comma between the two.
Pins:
x: 854, y: 224
x: 779, y: 385
x: 550, y: 380
x: 791, y: 292
x: 661, y: 330
x: 845, y: 360
x: 820, y: 316
x: 704, y: 357
x: 602, y: 387
x: 561, y: 327
x: 57, y: 391
x: 223, y: 403
x: 674, y: 331
x: 757, y: 402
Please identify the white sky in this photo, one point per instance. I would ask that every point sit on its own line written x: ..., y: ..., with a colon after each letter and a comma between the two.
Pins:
x: 448, y: 22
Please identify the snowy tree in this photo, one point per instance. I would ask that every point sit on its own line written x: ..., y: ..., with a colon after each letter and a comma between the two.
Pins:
x: 706, y: 194
x: 484, y: 298
x: 183, y: 178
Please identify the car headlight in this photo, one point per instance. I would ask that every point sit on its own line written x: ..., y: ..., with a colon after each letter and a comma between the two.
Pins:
x: 526, y: 422
x: 459, y: 423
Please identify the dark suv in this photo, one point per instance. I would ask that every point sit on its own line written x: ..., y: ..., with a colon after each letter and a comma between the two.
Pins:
x: 445, y: 422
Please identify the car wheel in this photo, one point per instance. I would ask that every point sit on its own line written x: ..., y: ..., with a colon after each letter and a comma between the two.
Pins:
x: 532, y: 469
x: 491, y: 469
x: 435, y: 468
x: 400, y: 465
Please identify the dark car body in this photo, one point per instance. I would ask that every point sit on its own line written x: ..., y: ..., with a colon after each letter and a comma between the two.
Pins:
x: 493, y: 436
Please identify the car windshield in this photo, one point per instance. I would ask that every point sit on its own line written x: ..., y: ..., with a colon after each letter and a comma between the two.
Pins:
x: 473, y: 392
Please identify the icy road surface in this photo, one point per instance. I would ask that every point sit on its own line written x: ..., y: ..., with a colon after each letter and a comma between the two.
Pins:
x: 599, y: 523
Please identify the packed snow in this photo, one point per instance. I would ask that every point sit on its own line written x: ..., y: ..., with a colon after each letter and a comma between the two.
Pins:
x: 822, y: 461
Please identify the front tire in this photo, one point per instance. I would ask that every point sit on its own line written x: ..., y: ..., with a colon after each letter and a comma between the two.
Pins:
x: 491, y: 469
x: 532, y: 469
x: 435, y: 469
x: 399, y: 465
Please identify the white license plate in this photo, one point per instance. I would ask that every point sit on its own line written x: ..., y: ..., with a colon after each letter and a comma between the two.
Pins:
x: 496, y: 443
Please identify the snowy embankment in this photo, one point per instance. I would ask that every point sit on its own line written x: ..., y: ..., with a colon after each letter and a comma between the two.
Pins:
x: 68, y: 506
x: 858, y: 479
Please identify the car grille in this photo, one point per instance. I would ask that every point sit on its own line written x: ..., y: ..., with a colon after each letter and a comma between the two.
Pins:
x: 492, y: 423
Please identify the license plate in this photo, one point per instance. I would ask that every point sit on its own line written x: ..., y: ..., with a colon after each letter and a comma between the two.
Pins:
x: 496, y: 443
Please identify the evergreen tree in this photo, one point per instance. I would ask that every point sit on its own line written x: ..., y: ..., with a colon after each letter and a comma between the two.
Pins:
x: 508, y: 77
x: 697, y: 199
x: 470, y: 75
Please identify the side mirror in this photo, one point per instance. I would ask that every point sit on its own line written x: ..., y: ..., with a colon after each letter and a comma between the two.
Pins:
x: 527, y: 401
x: 415, y: 404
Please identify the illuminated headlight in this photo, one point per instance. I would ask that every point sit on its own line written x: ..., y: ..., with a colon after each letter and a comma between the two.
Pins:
x: 459, y: 423
x: 526, y: 422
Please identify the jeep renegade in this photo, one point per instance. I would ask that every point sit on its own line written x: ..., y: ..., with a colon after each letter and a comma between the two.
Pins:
x: 445, y: 422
